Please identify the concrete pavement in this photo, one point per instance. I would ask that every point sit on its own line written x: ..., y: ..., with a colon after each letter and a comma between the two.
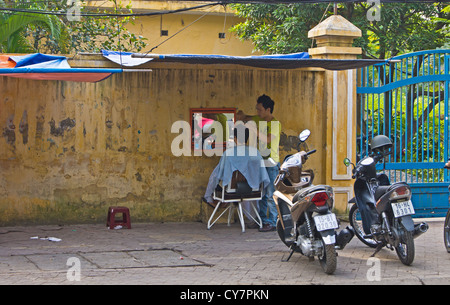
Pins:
x: 189, y: 254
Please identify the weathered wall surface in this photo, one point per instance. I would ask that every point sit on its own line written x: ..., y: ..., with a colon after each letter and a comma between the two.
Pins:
x: 70, y: 150
x: 191, y: 32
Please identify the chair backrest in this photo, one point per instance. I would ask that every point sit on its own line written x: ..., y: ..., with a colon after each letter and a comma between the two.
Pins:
x: 237, y: 190
x: 239, y: 184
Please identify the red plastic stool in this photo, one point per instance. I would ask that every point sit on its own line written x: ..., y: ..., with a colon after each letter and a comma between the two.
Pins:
x: 111, y: 220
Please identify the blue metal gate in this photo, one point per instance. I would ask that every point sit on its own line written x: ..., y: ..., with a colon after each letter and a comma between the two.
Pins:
x: 407, y: 100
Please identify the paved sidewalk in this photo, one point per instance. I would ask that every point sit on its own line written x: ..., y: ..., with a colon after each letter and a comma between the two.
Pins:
x: 189, y: 254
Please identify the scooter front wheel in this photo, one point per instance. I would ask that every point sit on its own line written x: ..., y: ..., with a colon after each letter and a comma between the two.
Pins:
x: 280, y: 232
x: 356, y: 223
x: 447, y: 232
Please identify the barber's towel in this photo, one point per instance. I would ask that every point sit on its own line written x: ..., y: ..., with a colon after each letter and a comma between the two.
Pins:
x: 245, y: 159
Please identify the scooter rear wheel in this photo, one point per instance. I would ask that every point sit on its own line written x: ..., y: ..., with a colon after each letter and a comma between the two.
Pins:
x: 329, y: 259
x: 356, y: 223
x: 447, y: 232
x: 405, y: 249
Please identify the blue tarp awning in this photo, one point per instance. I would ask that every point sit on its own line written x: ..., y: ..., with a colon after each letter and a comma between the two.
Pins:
x: 281, y: 61
x: 49, y: 67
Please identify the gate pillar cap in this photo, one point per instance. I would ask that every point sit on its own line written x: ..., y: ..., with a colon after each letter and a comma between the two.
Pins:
x: 334, y: 38
x: 335, y: 25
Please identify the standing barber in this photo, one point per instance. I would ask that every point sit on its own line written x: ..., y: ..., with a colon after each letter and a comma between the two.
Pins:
x: 268, y: 130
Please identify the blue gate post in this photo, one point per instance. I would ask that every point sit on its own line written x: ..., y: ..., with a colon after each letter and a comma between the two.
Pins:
x: 447, y: 113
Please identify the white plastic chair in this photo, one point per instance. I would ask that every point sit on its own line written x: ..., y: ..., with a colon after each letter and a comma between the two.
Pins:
x: 234, y: 194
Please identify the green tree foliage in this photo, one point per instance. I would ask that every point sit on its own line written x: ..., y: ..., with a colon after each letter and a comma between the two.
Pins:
x: 283, y: 28
x: 278, y: 28
x: 445, y: 30
x: 54, y: 34
x: 13, y: 30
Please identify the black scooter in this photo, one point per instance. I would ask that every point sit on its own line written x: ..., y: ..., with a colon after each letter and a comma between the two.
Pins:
x: 447, y: 231
x: 447, y: 219
x: 381, y: 212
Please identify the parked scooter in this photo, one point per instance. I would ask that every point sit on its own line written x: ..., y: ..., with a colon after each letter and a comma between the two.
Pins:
x: 447, y: 219
x: 384, y: 209
x: 447, y: 231
x: 306, y: 223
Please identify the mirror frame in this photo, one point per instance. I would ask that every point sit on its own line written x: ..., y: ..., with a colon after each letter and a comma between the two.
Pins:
x: 192, y: 111
x: 347, y: 160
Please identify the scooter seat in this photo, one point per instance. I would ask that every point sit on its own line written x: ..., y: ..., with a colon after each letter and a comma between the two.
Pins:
x: 308, y: 190
x: 380, y: 191
x: 383, y: 189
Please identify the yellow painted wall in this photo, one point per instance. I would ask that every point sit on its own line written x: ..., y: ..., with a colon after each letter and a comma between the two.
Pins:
x: 70, y: 150
x: 198, y: 29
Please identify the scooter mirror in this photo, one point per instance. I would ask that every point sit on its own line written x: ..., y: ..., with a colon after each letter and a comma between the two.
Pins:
x: 304, y: 135
x: 347, y: 162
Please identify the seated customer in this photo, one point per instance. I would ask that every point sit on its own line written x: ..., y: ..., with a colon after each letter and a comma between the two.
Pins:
x: 241, y: 157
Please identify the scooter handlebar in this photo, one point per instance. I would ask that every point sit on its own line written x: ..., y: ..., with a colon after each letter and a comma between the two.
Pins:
x: 311, y: 152
x: 356, y: 172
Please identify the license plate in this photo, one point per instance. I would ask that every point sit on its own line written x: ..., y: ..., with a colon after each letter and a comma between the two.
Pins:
x: 402, y: 208
x: 326, y: 222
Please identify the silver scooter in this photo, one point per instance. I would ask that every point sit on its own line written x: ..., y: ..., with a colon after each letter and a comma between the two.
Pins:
x: 306, y: 223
